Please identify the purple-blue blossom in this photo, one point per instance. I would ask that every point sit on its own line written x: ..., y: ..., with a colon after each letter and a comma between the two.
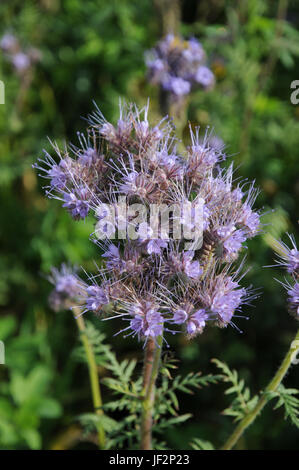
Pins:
x: 96, y: 297
x: 58, y: 177
x: 204, y: 76
x: 178, y: 86
x: 191, y: 268
x: 155, y: 246
x: 77, y: 202
x: 88, y: 157
x: 146, y: 321
x: 178, y: 66
x: 8, y: 42
x: 196, y: 322
x: 68, y: 288
x: 156, y: 278
x: 288, y: 257
x: 293, y: 299
x: 21, y: 61
x: 226, y: 299
x: 233, y: 243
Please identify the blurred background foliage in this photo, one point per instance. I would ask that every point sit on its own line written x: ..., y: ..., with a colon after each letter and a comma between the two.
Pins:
x: 94, y: 50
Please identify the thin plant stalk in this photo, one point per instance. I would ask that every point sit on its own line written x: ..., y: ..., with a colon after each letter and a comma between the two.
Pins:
x: 93, y: 376
x: 169, y: 15
x: 272, y: 387
x: 150, y: 373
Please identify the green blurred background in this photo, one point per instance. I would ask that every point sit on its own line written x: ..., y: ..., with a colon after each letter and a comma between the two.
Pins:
x: 94, y: 49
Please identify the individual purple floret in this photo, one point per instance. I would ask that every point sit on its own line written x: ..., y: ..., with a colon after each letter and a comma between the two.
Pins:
x: 293, y: 299
x: 112, y: 255
x: 178, y: 66
x: 155, y: 246
x: 293, y: 265
x: 204, y: 76
x: 196, y: 322
x: 184, y: 263
x: 96, y: 297
x: 146, y: 321
x: 249, y: 219
x: 191, y: 268
x: 88, y: 157
x: 233, y: 243
x: 288, y: 257
x: 77, y: 202
x: 148, y: 325
x: 177, y: 85
x: 58, y: 177
x: 227, y: 301
x: 179, y: 316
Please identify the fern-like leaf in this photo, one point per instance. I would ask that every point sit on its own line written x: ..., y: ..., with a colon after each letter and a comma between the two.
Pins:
x: 200, y: 444
x: 286, y: 398
x: 243, y: 403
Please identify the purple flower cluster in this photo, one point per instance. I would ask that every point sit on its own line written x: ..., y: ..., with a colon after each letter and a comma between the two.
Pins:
x: 96, y: 297
x: 152, y: 282
x: 288, y: 258
x: 74, y: 178
x: 68, y: 288
x: 20, y: 59
x: 178, y: 66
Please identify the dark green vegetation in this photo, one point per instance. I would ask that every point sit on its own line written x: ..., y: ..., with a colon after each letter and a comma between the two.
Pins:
x: 94, y: 49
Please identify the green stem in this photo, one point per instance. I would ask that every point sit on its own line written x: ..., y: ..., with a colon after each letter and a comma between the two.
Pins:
x: 272, y: 387
x: 169, y: 16
x: 93, y: 376
x: 150, y: 373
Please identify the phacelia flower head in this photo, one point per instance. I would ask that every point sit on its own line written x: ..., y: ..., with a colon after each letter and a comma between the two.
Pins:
x: 130, y: 176
x: 21, y: 59
x: 288, y: 258
x: 178, y: 66
x: 68, y: 288
x: 9, y: 42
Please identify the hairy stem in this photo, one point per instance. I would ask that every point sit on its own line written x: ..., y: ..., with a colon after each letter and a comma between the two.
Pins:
x: 93, y: 376
x: 150, y: 373
x: 272, y: 387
